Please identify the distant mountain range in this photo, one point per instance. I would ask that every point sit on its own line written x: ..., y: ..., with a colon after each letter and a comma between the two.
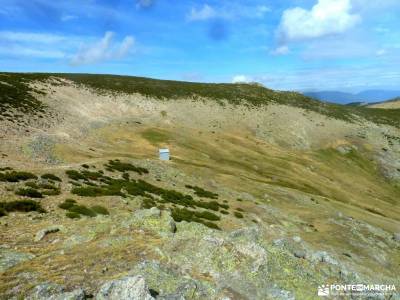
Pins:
x: 346, y: 98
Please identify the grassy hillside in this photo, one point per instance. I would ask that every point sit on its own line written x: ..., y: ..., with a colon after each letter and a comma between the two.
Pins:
x: 15, y: 93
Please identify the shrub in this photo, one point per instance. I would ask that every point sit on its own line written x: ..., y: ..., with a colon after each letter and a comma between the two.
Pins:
x: 22, y: 205
x: 5, y: 169
x: 148, y: 203
x: 100, y: 210
x: 207, y: 215
x: 2, y: 212
x: 213, y: 205
x: 72, y: 215
x: 32, y: 184
x: 54, y: 192
x: 224, y: 212
x: 238, y: 215
x: 49, y: 176
x: 239, y: 209
x: 75, y: 175
x: 85, y: 166
x: 67, y: 204
x: 202, y: 192
x: 15, y: 176
x: 210, y: 225
x: 82, y: 210
x: 224, y: 206
x: 123, y: 167
x: 183, y: 214
x: 29, y: 192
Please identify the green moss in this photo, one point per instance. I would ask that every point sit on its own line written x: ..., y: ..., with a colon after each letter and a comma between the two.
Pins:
x: 29, y: 192
x: 100, y: 210
x: 52, y: 177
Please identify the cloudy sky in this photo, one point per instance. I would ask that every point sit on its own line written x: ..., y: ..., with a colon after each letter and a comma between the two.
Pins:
x: 347, y: 45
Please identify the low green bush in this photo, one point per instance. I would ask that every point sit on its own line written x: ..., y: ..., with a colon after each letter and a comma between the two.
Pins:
x: 85, y: 166
x: 49, y: 176
x: 202, y: 192
x: 67, y: 204
x: 207, y: 215
x: 2, y: 212
x: 123, y: 167
x: 100, y: 210
x: 54, y: 192
x: 238, y: 215
x: 29, y: 192
x: 75, y: 175
x: 73, y: 215
x: 224, y: 212
x: 22, y: 205
x: 15, y: 176
x: 32, y: 184
x: 82, y: 210
x: 183, y: 214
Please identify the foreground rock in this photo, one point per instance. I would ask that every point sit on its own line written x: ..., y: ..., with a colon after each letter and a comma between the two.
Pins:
x: 48, y: 291
x: 128, y: 288
x: 10, y: 258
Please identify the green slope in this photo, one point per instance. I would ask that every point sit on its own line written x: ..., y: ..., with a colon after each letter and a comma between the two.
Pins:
x: 15, y: 93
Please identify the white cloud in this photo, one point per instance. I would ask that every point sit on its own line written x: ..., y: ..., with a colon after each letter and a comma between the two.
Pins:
x: 282, y: 50
x: 144, y: 3
x: 103, y: 50
x: 381, y: 52
x: 205, y: 13
x: 66, y: 18
x: 19, y: 51
x: 42, y: 38
x: 326, y: 17
x: 230, y: 11
x: 241, y: 79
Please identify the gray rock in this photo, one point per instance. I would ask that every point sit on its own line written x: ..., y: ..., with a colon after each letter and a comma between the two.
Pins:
x: 323, y: 256
x: 49, y: 291
x: 148, y: 213
x: 10, y: 258
x: 297, y: 239
x: 42, y: 233
x: 299, y: 254
x: 396, y: 237
x: 128, y: 288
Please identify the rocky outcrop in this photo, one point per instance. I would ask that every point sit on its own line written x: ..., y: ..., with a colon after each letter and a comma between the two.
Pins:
x: 10, y: 258
x: 128, y: 288
x: 49, y: 291
x: 42, y: 233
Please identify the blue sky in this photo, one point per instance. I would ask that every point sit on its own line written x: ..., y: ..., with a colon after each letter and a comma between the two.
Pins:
x: 347, y: 45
